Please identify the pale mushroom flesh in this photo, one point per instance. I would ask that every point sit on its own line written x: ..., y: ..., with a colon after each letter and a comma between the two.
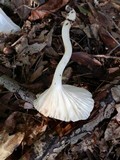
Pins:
x: 6, y: 24
x: 65, y: 102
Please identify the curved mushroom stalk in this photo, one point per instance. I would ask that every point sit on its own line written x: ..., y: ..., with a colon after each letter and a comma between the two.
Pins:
x: 6, y: 24
x: 65, y: 102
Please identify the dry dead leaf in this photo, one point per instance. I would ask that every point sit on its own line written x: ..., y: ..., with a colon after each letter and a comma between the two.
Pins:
x: 100, y: 18
x: 49, y: 7
x: 35, y: 131
x: 22, y: 47
x: 20, y: 7
x: 107, y: 38
x: 116, y: 4
x: 36, y: 74
x: 85, y: 59
x: 113, y: 70
x: 9, y: 143
x: 28, y: 105
x: 93, y: 28
x: 10, y: 122
x: 113, y: 131
x: 63, y: 130
x: 35, y: 48
x: 117, y: 106
x: 67, y: 74
x: 90, y: 62
x: 116, y: 93
x: 49, y: 37
x: 51, y: 52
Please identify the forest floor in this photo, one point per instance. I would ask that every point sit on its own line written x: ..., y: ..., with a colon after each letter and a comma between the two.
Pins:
x: 28, y: 60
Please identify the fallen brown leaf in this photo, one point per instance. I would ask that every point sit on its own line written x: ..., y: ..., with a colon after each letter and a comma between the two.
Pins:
x: 100, y: 18
x: 116, y: 4
x: 64, y: 130
x: 35, y: 131
x: 117, y: 106
x: 116, y: 93
x: 113, y: 70
x: 20, y: 7
x: 113, y: 131
x: 37, y: 73
x: 85, y: 59
x: 107, y: 38
x: 9, y: 143
x: 67, y: 74
x: 90, y: 62
x: 10, y: 122
x: 49, y: 7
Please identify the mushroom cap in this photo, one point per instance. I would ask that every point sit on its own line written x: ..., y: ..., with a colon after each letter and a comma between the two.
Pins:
x: 66, y: 103
x: 71, y: 15
x: 6, y: 24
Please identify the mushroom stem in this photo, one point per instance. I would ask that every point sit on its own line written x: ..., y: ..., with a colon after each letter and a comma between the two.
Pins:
x: 65, y: 102
x: 57, y: 79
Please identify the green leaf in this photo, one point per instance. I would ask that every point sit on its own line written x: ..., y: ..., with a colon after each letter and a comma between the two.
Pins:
x: 83, y: 10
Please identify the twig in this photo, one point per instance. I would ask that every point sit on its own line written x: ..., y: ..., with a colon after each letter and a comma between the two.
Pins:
x: 14, y: 87
x: 107, y: 57
x: 113, y: 49
x: 118, y: 44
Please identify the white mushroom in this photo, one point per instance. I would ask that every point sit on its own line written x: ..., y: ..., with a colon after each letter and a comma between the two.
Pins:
x: 6, y: 24
x: 65, y: 102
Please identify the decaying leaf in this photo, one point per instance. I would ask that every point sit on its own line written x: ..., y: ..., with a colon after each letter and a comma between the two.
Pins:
x: 10, y: 122
x: 90, y: 62
x: 116, y: 93
x: 49, y: 7
x: 116, y: 4
x: 63, y: 130
x: 117, y: 106
x: 23, y: 47
x: 32, y: 56
x: 100, y: 18
x: 51, y: 52
x: 85, y: 59
x: 67, y: 74
x: 113, y: 70
x: 35, y: 131
x: 20, y: 7
x: 113, y: 131
x: 9, y: 143
x: 102, y: 24
x: 107, y: 38
x: 37, y: 73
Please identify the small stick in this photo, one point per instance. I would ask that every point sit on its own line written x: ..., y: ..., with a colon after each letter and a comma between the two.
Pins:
x: 14, y: 87
x: 107, y: 57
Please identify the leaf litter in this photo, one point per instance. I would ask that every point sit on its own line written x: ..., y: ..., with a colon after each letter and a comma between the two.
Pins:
x: 30, y: 57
